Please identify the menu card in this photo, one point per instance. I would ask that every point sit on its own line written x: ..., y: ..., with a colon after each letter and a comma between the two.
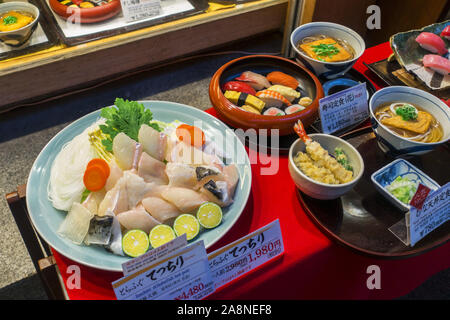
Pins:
x: 134, y: 10
x: 344, y: 108
x: 432, y: 212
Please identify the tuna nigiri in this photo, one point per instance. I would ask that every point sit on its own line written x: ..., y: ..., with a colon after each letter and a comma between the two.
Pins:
x: 437, y: 63
x: 256, y: 80
x: 446, y: 32
x: 432, y: 42
x: 278, y: 77
x: 239, y: 86
x: 272, y: 98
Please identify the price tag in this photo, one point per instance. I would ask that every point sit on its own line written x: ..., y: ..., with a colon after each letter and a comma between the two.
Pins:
x: 245, y: 254
x: 435, y: 211
x: 183, y: 274
x: 344, y: 108
x: 154, y: 255
x: 134, y: 10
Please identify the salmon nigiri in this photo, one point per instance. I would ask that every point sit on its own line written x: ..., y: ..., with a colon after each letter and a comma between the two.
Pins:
x: 432, y: 42
x: 278, y: 77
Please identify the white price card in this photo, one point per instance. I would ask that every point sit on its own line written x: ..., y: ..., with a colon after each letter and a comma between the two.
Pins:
x: 434, y: 212
x: 182, y: 275
x: 134, y: 10
x: 153, y: 255
x: 344, y: 108
x: 245, y: 254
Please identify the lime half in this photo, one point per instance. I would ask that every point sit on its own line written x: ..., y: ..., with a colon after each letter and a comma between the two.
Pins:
x: 209, y: 215
x: 135, y: 243
x: 186, y: 223
x: 160, y: 234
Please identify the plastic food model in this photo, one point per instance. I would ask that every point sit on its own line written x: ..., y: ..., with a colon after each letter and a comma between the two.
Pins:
x: 89, y: 11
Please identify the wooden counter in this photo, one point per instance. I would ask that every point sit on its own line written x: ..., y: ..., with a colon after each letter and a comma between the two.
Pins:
x: 34, y: 77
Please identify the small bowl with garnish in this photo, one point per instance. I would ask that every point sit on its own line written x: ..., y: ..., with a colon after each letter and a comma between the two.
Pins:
x: 18, y: 21
x: 398, y: 182
x: 328, y: 49
x: 408, y: 120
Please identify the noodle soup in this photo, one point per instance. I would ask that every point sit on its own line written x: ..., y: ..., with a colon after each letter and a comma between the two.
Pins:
x: 410, y: 122
x: 14, y: 19
x: 326, y: 49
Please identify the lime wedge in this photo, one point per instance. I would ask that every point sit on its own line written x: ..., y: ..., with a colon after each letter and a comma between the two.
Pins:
x: 186, y: 223
x: 135, y: 243
x: 209, y: 215
x: 160, y: 234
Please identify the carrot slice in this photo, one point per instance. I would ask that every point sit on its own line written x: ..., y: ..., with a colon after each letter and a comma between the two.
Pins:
x: 191, y: 135
x: 100, y: 162
x: 94, y: 178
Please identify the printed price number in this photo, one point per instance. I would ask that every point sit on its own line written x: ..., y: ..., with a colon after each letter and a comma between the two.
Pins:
x: 270, y: 249
x: 192, y: 291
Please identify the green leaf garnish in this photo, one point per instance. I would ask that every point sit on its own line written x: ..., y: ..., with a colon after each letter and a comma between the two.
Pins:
x: 407, y: 112
x: 9, y: 20
x: 127, y: 117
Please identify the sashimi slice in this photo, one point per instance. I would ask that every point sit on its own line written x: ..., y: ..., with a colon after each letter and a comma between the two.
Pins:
x: 115, y: 200
x: 137, y: 218
x: 152, y: 170
x: 153, y: 142
x: 115, y: 173
x: 446, y: 32
x: 437, y: 63
x: 181, y: 175
x: 160, y: 209
x: 76, y: 223
x: 184, y: 199
x: 432, y: 42
x: 257, y: 81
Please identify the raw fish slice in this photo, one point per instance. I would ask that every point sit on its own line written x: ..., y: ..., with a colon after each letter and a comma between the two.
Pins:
x: 115, y: 242
x: 437, y: 63
x: 186, y: 200
x: 231, y: 174
x: 124, y: 150
x: 115, y: 173
x: 184, y: 153
x: 217, y: 192
x: 278, y: 77
x: 294, y: 108
x: 75, y: 225
x: 137, y: 218
x: 154, y: 190
x: 206, y: 173
x: 151, y: 169
x: 432, y: 42
x: 93, y: 200
x: 100, y: 230
x: 257, y: 81
x: 239, y: 86
x: 446, y: 32
x: 181, y: 175
x: 160, y: 209
x: 153, y: 142
x: 136, y: 188
x: 272, y: 98
x: 116, y: 199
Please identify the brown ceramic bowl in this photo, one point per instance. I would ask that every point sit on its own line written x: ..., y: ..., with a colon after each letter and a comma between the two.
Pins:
x: 263, y: 64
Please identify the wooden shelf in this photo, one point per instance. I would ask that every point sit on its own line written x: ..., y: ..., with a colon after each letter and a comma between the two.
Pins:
x: 65, y: 68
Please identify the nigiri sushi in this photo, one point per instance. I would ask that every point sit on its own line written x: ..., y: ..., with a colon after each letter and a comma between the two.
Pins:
x: 278, y: 77
x: 437, y: 63
x: 293, y: 109
x: 257, y: 81
x: 274, y: 112
x: 432, y: 42
x: 239, y: 86
x: 286, y: 92
x: 446, y: 32
x: 240, y: 99
x: 272, y: 98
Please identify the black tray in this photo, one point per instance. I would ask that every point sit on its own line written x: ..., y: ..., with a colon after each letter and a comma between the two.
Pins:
x: 199, y: 6
x: 365, y: 230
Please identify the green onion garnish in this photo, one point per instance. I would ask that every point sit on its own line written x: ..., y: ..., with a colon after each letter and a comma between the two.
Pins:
x: 325, y: 50
x: 9, y: 20
x: 407, y: 112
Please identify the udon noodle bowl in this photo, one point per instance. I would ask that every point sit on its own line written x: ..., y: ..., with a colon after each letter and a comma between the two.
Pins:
x: 326, y: 49
x: 410, y: 122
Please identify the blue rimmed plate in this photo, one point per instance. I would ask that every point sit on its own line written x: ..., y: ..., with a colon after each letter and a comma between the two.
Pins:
x: 47, y: 219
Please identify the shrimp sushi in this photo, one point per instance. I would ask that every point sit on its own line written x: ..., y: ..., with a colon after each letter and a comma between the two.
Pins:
x: 437, y: 63
x: 294, y: 108
x: 255, y: 80
x: 272, y: 98
x: 432, y: 42
x: 239, y: 86
x: 274, y: 112
x: 287, y: 92
x: 278, y: 77
x: 446, y: 32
